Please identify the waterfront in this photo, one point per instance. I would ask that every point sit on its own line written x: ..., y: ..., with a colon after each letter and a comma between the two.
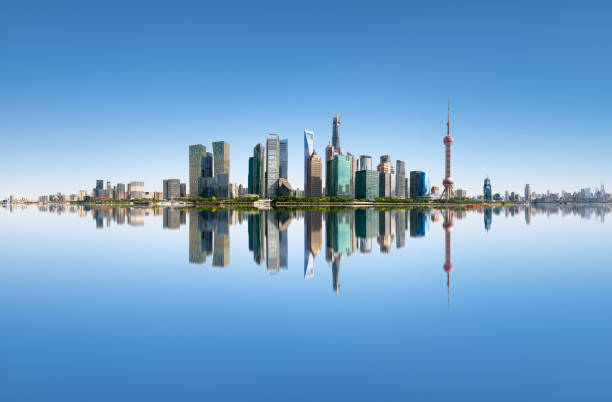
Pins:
x: 179, y: 304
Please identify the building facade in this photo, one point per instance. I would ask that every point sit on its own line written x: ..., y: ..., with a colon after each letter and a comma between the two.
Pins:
x: 400, y: 179
x: 336, y: 132
x: 283, y: 166
x: 487, y: 193
x: 314, y: 176
x: 221, y: 156
x: 197, y: 155
x: 308, y: 150
x: 272, y: 165
x: 419, y: 184
x: 136, y: 189
x: 366, y: 184
x: 340, y: 179
x: 365, y: 162
x: 171, y: 189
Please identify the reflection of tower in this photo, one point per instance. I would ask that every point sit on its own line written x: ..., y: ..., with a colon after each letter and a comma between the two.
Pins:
x: 312, y: 240
x: 488, y: 217
x: 336, y: 274
x: 448, y: 265
x: 256, y: 226
x: 272, y: 243
x: 221, y: 249
x: 284, y: 220
x: 449, y: 183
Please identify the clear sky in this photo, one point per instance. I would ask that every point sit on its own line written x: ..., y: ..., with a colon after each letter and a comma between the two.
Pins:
x: 118, y: 90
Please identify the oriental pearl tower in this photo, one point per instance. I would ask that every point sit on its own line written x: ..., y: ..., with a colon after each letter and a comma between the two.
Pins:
x: 449, y: 183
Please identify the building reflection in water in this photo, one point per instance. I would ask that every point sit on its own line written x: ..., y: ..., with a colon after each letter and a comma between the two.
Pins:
x: 346, y: 231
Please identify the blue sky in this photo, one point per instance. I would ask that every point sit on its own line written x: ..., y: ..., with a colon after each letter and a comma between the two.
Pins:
x: 118, y: 91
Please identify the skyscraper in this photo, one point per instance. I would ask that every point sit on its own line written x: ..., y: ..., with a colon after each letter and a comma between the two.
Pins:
x: 449, y: 183
x: 197, y: 153
x: 314, y: 176
x: 336, y: 132
x: 366, y: 184
x: 385, y: 165
x: 259, y: 171
x: 340, y: 181
x: 365, y: 162
x: 527, y: 193
x: 136, y: 189
x: 284, y: 159
x: 250, y: 178
x: 400, y: 179
x: 272, y: 165
x: 171, y: 189
x: 487, y: 194
x: 221, y: 155
x: 384, y: 185
x: 419, y: 184
x: 207, y: 165
x: 120, y: 191
x: 308, y: 150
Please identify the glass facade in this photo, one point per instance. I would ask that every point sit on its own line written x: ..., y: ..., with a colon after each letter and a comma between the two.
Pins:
x: 221, y: 155
x: 486, y: 190
x: 340, y: 170
x: 197, y: 155
x: 272, y: 165
x: 284, y: 159
x: 366, y: 184
x: 400, y: 179
x: 419, y: 184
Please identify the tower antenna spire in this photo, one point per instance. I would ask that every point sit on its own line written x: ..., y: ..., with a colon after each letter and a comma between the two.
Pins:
x: 448, y: 120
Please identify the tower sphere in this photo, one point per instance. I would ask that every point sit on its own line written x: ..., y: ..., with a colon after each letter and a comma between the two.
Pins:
x: 448, y: 140
x: 448, y: 268
x: 448, y: 180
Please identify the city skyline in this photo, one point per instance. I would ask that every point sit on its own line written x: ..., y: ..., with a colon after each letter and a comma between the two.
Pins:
x: 120, y: 114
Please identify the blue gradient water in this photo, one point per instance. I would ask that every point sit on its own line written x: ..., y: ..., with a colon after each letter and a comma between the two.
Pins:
x: 119, y: 313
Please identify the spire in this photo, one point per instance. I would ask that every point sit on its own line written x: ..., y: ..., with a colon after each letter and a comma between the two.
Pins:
x: 448, y: 290
x: 448, y: 121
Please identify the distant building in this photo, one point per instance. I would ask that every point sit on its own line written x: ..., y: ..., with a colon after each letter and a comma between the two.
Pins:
x: 435, y: 190
x: 384, y: 184
x: 340, y: 177
x: 385, y: 165
x: 527, y: 192
x: 223, y: 185
x: 487, y: 194
x: 183, y: 192
x: 461, y: 193
x: 355, y: 167
x: 272, y: 165
x: 366, y: 184
x: 284, y: 188
x: 336, y: 133
x: 99, y: 186
x: 197, y: 155
x: 221, y: 155
x: 400, y: 179
x: 120, y: 191
x: 171, y: 189
x: 314, y: 176
x: 136, y: 189
x: 207, y: 187
x: 365, y: 162
x: 419, y: 184
x: 257, y: 171
x: 284, y: 159
x: 308, y: 150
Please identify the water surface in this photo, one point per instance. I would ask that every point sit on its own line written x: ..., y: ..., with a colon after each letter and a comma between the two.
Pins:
x: 361, y: 305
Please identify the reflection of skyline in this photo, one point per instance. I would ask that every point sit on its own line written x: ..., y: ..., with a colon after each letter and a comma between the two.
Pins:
x: 347, y: 231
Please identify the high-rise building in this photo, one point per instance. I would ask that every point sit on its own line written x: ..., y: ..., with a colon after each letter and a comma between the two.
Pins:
x: 136, y: 189
x: 183, y: 188
x: 284, y: 159
x: 366, y: 184
x: 448, y: 182
x: 365, y: 162
x: 385, y: 165
x: 223, y: 185
x: 461, y: 193
x: 340, y: 181
x: 272, y: 165
x: 120, y: 191
x: 308, y: 150
x: 384, y: 185
x: 527, y: 193
x: 336, y: 133
x: 207, y: 187
x: 419, y: 184
x: 355, y: 167
x: 99, y: 186
x: 259, y: 171
x: 487, y: 193
x: 221, y: 155
x: 314, y: 176
x: 330, y: 152
x: 400, y: 179
x: 207, y: 165
x: 197, y: 155
x: 171, y: 189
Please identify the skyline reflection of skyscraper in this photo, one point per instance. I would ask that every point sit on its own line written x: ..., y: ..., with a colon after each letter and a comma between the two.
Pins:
x: 312, y: 240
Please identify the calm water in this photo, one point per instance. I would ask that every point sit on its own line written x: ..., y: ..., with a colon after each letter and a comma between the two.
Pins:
x: 173, y: 305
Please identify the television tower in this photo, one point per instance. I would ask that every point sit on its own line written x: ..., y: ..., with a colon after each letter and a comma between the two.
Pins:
x: 448, y: 182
